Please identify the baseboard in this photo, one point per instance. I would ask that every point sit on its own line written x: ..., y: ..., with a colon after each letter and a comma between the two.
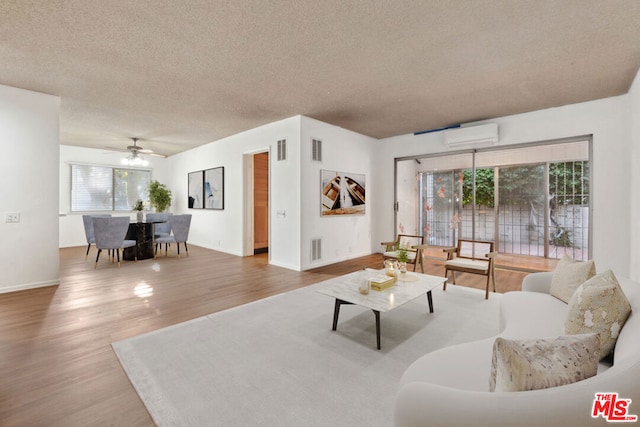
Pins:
x: 283, y: 265
x: 26, y: 286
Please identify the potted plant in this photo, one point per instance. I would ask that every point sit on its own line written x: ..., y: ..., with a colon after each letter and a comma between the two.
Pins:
x: 159, y: 196
x: 403, y: 258
x: 139, y: 207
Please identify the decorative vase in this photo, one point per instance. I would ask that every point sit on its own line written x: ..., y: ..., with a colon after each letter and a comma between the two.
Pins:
x: 390, y: 266
x: 402, y: 266
x: 140, y: 216
x: 364, y: 285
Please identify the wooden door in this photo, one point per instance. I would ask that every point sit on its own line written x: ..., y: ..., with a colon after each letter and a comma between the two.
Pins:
x: 261, y: 202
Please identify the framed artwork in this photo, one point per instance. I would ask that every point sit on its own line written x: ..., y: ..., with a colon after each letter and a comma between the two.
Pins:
x: 195, y: 191
x: 342, y: 193
x: 214, y: 188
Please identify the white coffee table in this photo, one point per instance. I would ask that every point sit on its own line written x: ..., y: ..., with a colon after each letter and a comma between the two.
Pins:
x: 345, y: 290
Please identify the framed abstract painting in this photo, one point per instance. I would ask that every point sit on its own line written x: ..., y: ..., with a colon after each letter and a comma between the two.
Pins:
x: 342, y: 193
x: 195, y: 190
x: 214, y: 188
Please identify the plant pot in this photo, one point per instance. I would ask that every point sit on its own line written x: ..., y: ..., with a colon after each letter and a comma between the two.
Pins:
x: 140, y: 216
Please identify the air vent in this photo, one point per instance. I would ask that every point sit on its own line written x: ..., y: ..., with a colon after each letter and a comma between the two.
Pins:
x: 316, y: 150
x: 282, y: 150
x: 472, y: 135
x: 316, y: 249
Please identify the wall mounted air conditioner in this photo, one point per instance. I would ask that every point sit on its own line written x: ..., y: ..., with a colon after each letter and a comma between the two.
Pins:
x: 472, y: 135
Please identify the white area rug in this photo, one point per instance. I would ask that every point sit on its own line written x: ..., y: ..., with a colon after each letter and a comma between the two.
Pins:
x: 276, y: 362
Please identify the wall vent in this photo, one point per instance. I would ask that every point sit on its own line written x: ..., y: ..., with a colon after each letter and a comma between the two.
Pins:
x: 316, y: 150
x: 282, y: 150
x: 316, y: 249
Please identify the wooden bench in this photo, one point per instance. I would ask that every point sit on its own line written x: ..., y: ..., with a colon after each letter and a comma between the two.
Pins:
x: 414, y: 246
x: 471, y: 256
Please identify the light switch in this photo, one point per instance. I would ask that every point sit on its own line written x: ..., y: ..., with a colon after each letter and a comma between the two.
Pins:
x: 12, y: 217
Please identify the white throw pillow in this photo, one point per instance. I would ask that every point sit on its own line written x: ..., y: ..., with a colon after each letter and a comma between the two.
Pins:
x: 568, y: 275
x: 598, y: 306
x: 533, y: 364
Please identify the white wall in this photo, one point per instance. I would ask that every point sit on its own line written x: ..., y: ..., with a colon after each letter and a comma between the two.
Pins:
x: 634, y: 188
x: 71, y: 225
x: 29, y: 134
x: 223, y: 229
x: 346, y: 236
x: 609, y: 122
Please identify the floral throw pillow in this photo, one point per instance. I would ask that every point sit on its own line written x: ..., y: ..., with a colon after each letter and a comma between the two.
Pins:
x: 568, y: 275
x: 598, y: 306
x: 533, y: 364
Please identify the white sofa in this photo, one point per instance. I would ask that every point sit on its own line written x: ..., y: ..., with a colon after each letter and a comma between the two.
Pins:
x: 449, y: 387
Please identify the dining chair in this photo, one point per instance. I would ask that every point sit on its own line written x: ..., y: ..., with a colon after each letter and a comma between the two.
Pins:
x: 161, y: 226
x: 180, y: 225
x: 88, y: 231
x: 110, y: 234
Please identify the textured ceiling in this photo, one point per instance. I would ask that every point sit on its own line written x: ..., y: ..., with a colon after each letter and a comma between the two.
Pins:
x: 178, y: 74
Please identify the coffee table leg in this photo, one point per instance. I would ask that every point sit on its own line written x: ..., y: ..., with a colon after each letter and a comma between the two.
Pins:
x: 336, y: 313
x: 430, y: 302
x: 377, y: 313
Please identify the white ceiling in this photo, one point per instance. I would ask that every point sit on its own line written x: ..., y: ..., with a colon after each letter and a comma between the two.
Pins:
x: 178, y: 74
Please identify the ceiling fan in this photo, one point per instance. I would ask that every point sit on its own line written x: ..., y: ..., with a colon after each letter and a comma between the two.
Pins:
x: 134, y: 158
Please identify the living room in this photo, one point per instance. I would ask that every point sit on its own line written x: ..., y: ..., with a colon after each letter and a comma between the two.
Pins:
x: 613, y: 122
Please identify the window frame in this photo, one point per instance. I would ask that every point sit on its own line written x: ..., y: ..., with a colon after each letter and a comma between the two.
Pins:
x: 113, y: 184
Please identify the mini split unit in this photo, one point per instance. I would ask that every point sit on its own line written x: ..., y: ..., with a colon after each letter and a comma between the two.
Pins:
x: 472, y: 135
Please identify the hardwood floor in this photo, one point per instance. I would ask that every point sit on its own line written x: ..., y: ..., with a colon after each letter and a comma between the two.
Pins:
x: 56, y: 362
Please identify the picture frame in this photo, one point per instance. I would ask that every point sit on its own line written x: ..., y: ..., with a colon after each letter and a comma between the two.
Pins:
x: 213, y: 187
x: 195, y: 190
x: 342, y: 193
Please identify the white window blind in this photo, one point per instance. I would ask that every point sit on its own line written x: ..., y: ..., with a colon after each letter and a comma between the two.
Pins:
x: 102, y: 188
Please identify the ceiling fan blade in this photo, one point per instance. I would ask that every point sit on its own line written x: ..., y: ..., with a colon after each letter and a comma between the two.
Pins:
x: 122, y: 150
x: 136, y: 149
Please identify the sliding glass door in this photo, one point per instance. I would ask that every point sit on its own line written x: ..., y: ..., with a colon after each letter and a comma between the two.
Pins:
x: 531, y: 200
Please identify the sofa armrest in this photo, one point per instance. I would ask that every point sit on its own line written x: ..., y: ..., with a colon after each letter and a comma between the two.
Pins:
x: 537, y: 282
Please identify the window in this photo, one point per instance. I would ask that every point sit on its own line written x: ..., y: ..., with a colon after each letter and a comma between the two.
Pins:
x: 530, y: 200
x: 103, y: 188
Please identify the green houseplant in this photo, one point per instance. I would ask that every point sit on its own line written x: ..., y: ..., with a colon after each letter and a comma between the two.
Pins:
x: 159, y: 196
x: 403, y: 258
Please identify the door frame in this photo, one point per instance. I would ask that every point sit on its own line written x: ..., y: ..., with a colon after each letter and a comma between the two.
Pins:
x: 248, y: 231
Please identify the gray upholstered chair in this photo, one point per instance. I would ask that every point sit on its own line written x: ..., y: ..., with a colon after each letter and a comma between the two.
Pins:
x: 180, y: 225
x: 161, y: 226
x: 88, y: 230
x: 110, y: 234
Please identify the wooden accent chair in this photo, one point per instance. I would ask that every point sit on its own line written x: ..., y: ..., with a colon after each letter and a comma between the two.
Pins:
x: 471, y: 256
x: 414, y: 246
